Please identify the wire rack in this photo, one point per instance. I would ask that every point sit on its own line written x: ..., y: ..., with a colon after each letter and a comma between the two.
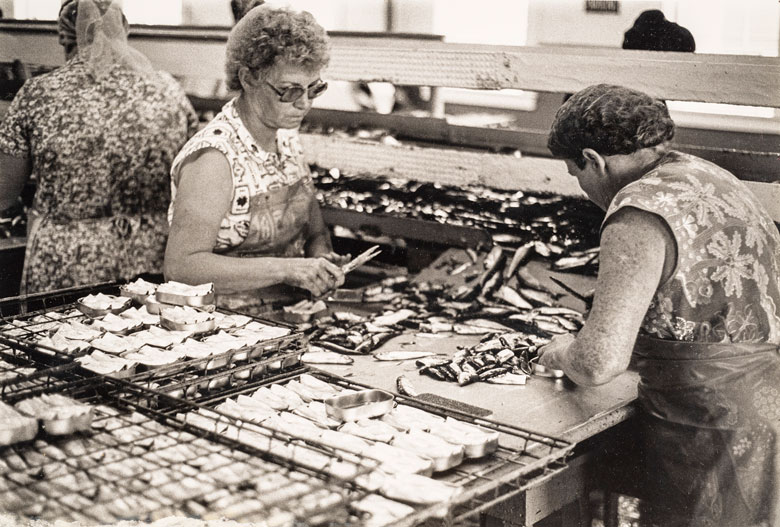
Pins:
x: 21, y: 331
x: 524, y: 458
x: 139, y: 463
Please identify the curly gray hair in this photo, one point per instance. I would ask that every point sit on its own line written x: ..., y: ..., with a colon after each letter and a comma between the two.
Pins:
x: 266, y: 36
x: 609, y: 119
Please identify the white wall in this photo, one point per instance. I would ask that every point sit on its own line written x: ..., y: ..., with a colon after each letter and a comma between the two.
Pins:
x: 556, y: 22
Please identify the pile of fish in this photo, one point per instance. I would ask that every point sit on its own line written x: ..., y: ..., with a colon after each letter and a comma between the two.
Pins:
x: 498, y: 298
x: 567, y: 226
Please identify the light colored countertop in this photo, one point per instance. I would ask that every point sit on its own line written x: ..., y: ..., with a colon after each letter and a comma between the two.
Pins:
x: 556, y: 408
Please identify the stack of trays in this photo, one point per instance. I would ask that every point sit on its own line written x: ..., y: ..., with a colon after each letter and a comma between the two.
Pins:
x: 401, y: 446
x: 108, y: 336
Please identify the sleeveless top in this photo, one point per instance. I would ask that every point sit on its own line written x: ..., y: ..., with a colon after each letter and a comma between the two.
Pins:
x: 724, y: 287
x: 270, y: 205
x: 707, y: 351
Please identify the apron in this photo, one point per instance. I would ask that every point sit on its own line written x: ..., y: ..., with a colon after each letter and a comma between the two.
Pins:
x: 711, y: 430
x: 278, y: 226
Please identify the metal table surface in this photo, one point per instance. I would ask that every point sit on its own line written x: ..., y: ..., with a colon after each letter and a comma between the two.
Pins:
x: 551, y: 407
x: 554, y: 407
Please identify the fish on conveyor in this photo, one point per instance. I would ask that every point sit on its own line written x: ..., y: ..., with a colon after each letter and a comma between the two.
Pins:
x: 492, y: 262
x: 510, y: 296
x: 401, y: 355
x: 573, y: 262
x: 433, y: 360
x: 478, y: 326
x: 536, y: 297
x: 529, y: 280
x: 459, y: 269
x: 519, y: 257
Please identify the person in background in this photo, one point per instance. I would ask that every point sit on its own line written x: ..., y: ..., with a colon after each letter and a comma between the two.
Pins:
x: 240, y: 7
x: 244, y: 214
x: 689, y: 287
x: 98, y: 136
x: 653, y: 32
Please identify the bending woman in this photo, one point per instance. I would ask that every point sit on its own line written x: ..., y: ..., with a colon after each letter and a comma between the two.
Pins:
x: 688, y: 288
x: 244, y: 214
x: 98, y: 136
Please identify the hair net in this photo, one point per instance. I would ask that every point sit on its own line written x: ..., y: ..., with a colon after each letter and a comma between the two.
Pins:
x: 100, y: 32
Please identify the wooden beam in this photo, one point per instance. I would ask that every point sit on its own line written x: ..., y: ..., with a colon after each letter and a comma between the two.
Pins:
x: 728, y: 79
x: 733, y: 79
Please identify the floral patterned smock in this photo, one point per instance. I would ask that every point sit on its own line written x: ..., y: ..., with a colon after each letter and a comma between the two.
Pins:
x: 273, y: 193
x: 100, y: 154
x: 707, y: 353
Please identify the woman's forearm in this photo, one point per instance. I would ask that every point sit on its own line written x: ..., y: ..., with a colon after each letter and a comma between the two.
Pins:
x: 227, y: 273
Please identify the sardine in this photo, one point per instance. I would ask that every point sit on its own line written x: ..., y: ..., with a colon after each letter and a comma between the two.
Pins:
x: 510, y: 296
x: 467, y: 377
x: 558, y: 310
x: 518, y: 258
x: 336, y: 347
x: 493, y: 372
x: 493, y: 258
x: 459, y: 269
x: 404, y: 386
x: 529, y: 280
x: 433, y: 371
x: 491, y: 283
x: 509, y: 378
x: 401, y: 355
x: 434, y: 360
x: 504, y: 355
x: 325, y: 357
x: 539, y: 298
x: 550, y: 327
x: 488, y: 324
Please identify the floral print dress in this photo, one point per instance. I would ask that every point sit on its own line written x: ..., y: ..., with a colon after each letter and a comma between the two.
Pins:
x: 707, y: 353
x: 100, y: 152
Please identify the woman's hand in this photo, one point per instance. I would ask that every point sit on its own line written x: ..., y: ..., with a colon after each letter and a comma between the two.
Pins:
x: 553, y: 354
x: 336, y: 258
x: 316, y: 275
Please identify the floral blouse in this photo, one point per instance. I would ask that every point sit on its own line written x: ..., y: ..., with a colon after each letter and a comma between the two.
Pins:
x: 256, y: 173
x: 100, y: 153
x: 724, y: 286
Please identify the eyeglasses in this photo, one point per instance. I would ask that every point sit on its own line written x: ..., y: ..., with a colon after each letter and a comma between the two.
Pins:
x: 296, y: 91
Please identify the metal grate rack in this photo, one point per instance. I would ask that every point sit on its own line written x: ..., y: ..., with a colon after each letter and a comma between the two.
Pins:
x: 524, y: 458
x: 139, y: 463
x: 20, y: 331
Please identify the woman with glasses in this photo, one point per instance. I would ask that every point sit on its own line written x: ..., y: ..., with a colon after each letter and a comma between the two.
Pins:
x: 243, y: 213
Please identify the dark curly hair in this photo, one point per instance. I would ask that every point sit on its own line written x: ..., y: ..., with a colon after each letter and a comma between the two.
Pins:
x: 609, y: 119
x: 266, y: 36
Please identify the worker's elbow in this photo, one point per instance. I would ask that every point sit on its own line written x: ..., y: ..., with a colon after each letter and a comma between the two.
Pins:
x: 173, y: 269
